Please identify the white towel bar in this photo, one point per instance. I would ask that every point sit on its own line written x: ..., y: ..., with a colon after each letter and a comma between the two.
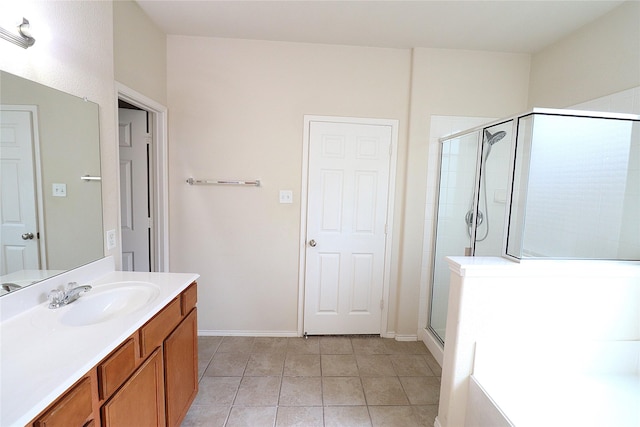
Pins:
x: 192, y: 181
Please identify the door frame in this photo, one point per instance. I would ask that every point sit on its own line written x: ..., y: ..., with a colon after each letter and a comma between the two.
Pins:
x: 390, y: 208
x: 159, y: 163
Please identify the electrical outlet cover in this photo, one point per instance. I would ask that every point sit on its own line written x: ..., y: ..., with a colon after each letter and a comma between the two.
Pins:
x: 111, y: 239
x: 286, y: 196
x: 59, y: 190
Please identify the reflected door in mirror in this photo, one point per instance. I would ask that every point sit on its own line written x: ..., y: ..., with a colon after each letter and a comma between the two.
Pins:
x: 20, y: 248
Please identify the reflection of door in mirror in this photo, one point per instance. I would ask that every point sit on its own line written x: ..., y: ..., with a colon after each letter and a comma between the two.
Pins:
x: 135, y: 205
x: 19, y: 208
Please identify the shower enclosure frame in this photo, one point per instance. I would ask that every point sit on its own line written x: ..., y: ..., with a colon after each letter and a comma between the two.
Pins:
x: 515, y: 129
x: 469, y: 251
x: 512, y: 166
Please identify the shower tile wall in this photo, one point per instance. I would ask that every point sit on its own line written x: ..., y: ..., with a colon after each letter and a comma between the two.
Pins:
x: 627, y: 101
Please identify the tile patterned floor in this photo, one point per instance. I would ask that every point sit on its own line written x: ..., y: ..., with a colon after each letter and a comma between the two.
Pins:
x: 319, y: 381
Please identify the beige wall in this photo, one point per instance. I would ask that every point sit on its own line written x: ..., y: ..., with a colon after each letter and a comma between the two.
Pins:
x: 73, y: 53
x: 599, y: 59
x: 140, y: 51
x: 236, y: 112
x: 455, y: 83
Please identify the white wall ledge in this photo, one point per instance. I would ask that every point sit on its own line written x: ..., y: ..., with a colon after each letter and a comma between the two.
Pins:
x: 501, y: 267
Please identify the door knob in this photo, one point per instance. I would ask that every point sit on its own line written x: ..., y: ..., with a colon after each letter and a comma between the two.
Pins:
x: 27, y: 236
x: 312, y: 243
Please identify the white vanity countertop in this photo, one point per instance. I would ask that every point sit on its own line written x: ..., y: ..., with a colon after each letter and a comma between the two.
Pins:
x: 38, y: 362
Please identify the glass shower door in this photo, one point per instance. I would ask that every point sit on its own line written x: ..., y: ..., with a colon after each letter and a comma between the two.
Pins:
x: 494, y: 186
x: 459, y: 156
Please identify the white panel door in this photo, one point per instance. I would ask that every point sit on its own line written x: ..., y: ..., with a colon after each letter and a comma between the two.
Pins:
x: 348, y: 187
x: 135, y: 215
x: 18, y: 212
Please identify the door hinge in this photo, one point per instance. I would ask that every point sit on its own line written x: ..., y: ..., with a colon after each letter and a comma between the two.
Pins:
x: 150, y: 222
x: 386, y: 228
x: 381, y: 304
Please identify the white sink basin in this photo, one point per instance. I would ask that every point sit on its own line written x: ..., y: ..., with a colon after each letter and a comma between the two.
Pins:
x: 106, y: 302
x: 102, y: 303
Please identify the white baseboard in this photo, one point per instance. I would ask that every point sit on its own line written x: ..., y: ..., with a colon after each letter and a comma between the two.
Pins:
x: 217, y: 333
x: 214, y: 333
x: 433, y: 345
x: 406, y: 337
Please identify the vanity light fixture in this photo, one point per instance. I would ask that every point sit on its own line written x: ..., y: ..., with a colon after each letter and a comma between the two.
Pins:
x: 23, y: 38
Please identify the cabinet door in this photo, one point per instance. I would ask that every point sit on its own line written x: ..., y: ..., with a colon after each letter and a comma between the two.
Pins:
x: 140, y: 401
x: 181, y: 368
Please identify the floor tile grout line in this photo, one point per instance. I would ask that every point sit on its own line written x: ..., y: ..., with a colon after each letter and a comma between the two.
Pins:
x: 275, y: 418
x: 322, y: 376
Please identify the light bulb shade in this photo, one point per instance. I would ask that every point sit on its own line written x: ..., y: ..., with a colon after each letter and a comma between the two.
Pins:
x: 23, y: 38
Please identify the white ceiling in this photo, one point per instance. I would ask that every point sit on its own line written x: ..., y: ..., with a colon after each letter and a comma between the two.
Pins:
x: 502, y: 25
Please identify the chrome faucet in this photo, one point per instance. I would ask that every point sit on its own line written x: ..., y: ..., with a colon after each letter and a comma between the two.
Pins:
x: 58, y: 298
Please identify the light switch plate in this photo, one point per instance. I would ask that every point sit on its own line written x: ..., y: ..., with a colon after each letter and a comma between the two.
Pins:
x: 59, y: 190
x: 286, y: 196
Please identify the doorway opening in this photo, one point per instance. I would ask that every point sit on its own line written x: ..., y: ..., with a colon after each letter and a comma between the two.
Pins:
x: 143, y: 184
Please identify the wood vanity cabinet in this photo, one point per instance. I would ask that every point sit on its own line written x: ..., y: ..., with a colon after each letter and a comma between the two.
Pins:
x: 140, y: 400
x: 151, y: 379
x: 181, y: 369
x: 75, y: 408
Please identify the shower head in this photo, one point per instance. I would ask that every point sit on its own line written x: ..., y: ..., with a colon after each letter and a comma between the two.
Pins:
x: 492, y: 139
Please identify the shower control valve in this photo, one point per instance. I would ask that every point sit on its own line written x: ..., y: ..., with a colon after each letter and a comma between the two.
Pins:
x: 468, y: 218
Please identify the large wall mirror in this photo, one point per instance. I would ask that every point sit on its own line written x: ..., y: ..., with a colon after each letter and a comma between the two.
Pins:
x: 51, y: 193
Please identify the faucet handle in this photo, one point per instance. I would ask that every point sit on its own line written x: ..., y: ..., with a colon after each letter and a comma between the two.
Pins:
x: 55, y: 298
x: 71, y: 285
